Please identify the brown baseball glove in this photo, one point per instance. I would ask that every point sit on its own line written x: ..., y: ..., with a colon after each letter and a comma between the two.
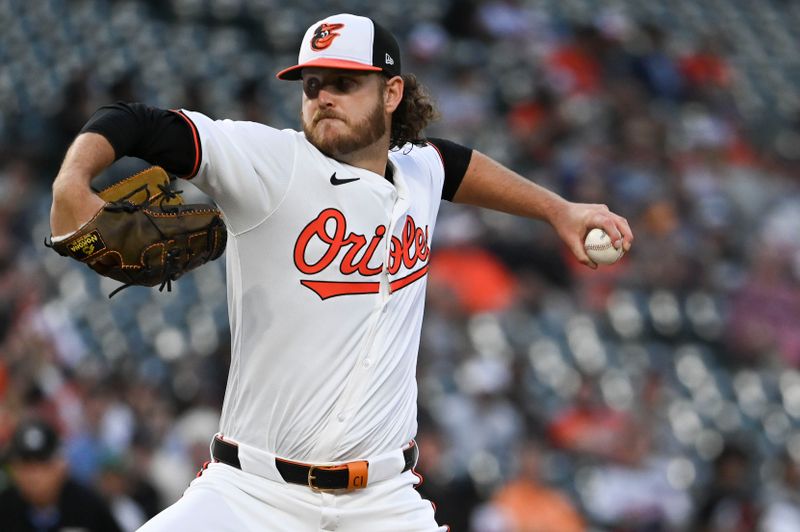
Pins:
x: 145, y: 235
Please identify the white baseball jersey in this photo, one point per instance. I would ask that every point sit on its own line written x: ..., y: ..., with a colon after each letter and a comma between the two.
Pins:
x: 326, y: 274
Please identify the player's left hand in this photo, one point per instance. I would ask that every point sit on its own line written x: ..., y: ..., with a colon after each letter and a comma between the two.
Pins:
x: 575, y: 220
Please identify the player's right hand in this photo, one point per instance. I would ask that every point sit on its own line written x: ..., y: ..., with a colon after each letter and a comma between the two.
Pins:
x: 574, y: 220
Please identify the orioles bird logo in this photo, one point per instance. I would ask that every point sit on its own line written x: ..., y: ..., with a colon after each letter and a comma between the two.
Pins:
x: 324, y: 36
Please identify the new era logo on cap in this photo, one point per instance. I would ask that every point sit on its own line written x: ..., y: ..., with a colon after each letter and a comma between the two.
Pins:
x: 348, y: 42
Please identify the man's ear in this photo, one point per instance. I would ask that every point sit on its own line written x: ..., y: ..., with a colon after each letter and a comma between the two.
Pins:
x: 393, y: 94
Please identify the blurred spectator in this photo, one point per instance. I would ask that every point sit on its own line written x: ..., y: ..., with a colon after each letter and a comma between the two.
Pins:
x: 460, y: 18
x: 536, y: 125
x: 764, y: 310
x: 589, y: 427
x: 139, y: 486
x: 633, y: 492
x: 478, y: 279
x: 706, y: 66
x: 575, y: 68
x: 113, y: 483
x: 73, y: 114
x: 466, y: 110
x: 42, y: 496
x: 506, y: 19
x: 730, y: 502
x: 782, y: 501
x: 106, y: 429
x: 480, y: 421
x: 657, y: 69
x: 528, y: 505
x: 453, y: 495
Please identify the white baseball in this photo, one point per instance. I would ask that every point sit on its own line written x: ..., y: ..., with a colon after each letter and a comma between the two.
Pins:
x: 600, y: 248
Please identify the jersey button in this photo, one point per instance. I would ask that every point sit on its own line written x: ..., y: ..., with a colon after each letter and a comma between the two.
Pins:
x: 341, y: 416
x: 367, y: 362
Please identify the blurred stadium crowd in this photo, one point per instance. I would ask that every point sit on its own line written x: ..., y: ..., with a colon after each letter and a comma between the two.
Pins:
x: 662, y: 393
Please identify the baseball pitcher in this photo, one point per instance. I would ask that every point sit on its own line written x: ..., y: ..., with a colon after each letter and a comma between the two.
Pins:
x: 328, y: 246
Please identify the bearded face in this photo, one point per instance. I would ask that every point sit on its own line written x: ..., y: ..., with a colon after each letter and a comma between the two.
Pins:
x: 342, y: 112
x: 336, y: 135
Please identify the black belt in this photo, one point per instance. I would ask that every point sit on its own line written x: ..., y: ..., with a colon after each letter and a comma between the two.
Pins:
x: 349, y: 476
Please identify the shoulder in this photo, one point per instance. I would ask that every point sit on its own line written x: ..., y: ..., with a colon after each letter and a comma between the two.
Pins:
x: 425, y: 155
x: 234, y: 127
x: 226, y: 140
x: 208, y: 126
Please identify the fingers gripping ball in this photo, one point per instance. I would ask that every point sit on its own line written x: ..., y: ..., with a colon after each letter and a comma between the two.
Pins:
x: 600, y: 248
x: 145, y: 235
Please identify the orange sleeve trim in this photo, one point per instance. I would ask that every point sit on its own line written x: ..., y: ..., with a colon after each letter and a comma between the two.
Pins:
x: 196, y: 138
x: 441, y: 158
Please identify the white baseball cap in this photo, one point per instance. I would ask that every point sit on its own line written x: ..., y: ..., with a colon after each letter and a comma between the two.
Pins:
x: 347, y: 42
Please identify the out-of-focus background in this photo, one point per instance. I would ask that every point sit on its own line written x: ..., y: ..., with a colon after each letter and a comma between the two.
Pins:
x: 658, y: 394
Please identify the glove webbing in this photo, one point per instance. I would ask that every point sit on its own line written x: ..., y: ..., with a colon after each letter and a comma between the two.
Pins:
x: 171, y: 265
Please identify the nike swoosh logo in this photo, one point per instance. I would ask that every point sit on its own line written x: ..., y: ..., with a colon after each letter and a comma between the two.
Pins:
x: 337, y: 181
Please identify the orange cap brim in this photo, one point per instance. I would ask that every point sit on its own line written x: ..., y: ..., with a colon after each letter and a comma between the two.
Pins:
x: 293, y: 73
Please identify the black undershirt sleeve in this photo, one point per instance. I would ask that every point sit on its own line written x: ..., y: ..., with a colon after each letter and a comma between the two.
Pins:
x: 158, y: 136
x: 455, y: 159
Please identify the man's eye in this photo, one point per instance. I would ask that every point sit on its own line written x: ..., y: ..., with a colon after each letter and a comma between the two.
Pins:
x: 345, y: 84
x: 311, y: 87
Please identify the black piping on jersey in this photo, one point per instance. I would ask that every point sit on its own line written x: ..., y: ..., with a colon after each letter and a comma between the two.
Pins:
x: 171, y: 140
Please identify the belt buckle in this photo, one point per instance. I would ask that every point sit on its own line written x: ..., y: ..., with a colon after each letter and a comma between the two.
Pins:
x: 312, y: 478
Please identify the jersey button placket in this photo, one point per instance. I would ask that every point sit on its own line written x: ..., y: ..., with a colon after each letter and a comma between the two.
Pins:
x: 361, y: 369
x: 399, y: 209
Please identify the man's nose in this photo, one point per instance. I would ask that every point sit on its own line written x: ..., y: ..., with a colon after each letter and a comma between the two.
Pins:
x: 325, y: 98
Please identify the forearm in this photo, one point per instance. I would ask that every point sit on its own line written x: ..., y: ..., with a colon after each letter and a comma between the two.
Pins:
x: 73, y: 200
x: 156, y: 135
x: 88, y: 155
x: 489, y: 184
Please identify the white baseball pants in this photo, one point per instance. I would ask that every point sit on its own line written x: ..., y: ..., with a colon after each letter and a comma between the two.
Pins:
x: 226, y: 499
